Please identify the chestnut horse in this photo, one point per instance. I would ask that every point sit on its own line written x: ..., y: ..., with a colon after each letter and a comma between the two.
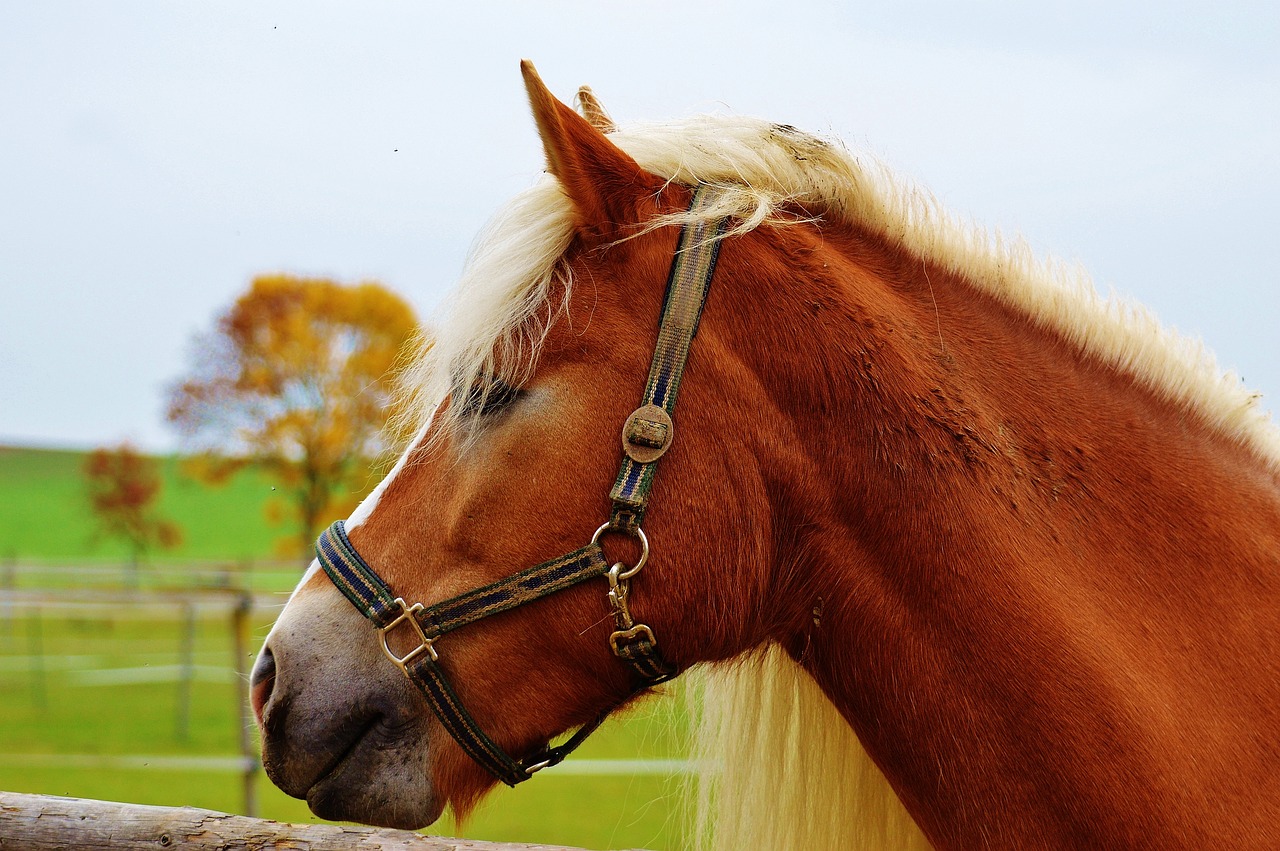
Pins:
x: 985, y: 560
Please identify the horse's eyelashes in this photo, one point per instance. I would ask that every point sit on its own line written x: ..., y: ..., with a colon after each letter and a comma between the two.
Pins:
x: 488, y: 395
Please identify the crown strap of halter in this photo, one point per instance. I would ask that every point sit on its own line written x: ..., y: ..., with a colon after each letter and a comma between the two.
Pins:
x: 646, y: 436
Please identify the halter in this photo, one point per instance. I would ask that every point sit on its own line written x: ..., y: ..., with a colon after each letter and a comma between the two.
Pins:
x: 646, y: 436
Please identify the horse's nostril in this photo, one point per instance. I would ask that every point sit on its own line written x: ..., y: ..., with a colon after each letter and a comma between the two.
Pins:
x: 261, y: 681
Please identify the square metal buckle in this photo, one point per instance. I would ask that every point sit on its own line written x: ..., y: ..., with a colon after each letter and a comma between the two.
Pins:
x: 639, y: 631
x: 406, y: 615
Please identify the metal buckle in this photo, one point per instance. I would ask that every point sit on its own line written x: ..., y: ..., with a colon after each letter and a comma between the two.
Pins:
x: 538, y: 766
x: 630, y: 635
x: 407, y: 613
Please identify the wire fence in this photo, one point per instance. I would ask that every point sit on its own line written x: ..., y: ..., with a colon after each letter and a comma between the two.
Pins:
x: 100, y: 663
x: 71, y: 635
x: 247, y: 575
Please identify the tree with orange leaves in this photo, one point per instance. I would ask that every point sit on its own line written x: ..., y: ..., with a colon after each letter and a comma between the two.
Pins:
x: 123, y: 485
x: 297, y: 379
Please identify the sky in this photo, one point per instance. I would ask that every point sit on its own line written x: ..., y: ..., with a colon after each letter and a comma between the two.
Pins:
x: 156, y: 156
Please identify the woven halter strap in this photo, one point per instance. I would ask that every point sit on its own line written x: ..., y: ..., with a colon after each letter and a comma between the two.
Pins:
x: 646, y: 436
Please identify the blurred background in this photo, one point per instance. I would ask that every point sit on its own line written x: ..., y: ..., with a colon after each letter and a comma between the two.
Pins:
x: 168, y: 168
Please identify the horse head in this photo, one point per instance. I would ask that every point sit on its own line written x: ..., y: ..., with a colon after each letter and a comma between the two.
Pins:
x: 522, y: 408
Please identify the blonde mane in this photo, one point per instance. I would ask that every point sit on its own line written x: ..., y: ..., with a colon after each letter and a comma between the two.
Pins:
x: 765, y: 784
x: 516, y: 264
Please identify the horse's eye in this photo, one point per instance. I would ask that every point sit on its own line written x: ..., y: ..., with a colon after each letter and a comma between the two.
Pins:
x: 488, y: 395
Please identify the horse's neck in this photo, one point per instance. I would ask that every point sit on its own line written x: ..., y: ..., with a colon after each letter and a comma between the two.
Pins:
x: 1034, y: 579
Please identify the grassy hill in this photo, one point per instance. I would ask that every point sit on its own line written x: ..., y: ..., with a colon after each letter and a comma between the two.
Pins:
x: 44, y: 513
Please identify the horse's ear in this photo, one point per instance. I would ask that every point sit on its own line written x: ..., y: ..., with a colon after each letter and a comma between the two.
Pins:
x: 603, y: 182
x: 593, y: 110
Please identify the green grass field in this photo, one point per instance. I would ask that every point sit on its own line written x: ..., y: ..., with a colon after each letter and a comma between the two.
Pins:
x: 44, y: 513
x: 99, y: 680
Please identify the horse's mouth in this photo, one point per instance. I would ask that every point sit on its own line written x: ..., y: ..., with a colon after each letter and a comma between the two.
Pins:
x: 372, y: 780
x: 363, y: 732
x: 294, y: 762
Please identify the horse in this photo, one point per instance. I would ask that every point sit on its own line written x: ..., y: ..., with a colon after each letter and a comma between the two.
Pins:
x: 971, y: 556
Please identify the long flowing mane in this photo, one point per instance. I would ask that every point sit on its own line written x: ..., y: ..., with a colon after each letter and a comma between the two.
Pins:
x: 515, y: 266
x: 765, y: 725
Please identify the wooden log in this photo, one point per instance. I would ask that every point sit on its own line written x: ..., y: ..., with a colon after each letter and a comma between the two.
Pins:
x: 46, y: 822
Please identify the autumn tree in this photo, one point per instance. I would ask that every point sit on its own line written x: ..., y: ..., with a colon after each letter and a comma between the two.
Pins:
x: 297, y: 379
x: 123, y: 486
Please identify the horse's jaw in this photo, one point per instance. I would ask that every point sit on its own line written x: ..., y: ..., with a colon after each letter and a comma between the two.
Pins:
x: 341, y: 727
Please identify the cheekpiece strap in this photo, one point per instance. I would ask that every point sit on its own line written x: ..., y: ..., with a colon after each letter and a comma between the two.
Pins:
x: 687, y: 285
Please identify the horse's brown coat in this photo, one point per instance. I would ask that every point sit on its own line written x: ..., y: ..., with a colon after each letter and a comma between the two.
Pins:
x: 1047, y: 599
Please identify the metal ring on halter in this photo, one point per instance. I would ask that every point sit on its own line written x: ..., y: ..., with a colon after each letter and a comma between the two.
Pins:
x: 644, y: 547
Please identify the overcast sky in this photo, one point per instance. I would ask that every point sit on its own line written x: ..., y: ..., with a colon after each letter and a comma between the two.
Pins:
x: 155, y: 156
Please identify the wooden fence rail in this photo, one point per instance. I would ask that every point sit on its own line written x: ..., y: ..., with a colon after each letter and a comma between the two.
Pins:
x: 45, y: 822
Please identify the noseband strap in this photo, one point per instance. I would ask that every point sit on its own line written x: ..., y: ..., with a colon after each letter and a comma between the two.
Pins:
x: 646, y: 436
x: 417, y: 628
